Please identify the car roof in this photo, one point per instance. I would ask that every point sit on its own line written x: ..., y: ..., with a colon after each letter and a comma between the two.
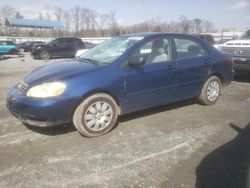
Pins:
x: 67, y: 37
x: 151, y: 34
x: 5, y: 41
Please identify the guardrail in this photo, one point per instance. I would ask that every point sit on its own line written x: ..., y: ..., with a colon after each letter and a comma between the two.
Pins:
x: 18, y: 40
x: 96, y: 40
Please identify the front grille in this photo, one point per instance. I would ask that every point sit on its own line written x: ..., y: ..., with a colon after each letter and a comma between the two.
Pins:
x: 22, y: 87
x: 237, y: 51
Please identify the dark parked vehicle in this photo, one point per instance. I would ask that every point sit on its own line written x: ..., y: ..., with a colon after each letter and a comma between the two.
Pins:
x: 29, y: 45
x: 119, y: 76
x: 89, y: 45
x: 8, y: 48
x: 59, y: 47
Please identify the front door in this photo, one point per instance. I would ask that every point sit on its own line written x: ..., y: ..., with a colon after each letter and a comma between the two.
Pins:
x: 152, y: 83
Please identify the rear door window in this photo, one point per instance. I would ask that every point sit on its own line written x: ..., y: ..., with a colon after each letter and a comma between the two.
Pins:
x: 187, y: 48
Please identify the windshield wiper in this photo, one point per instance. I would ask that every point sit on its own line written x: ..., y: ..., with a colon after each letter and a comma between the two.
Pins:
x: 89, y: 60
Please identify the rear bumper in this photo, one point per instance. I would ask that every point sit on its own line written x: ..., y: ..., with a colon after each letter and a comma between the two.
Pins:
x: 242, y: 64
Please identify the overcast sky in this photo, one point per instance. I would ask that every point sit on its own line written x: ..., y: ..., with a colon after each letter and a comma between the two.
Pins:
x: 228, y: 13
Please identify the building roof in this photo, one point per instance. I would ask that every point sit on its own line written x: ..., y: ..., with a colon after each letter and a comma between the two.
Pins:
x: 20, y: 22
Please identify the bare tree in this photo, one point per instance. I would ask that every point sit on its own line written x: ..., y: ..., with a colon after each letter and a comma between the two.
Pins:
x: 113, y: 23
x: 66, y: 21
x: 185, y: 24
x: 59, y: 13
x: 40, y: 16
x: 206, y: 26
x: 93, y: 19
x: 103, y: 23
x: 197, y: 23
x: 76, y: 13
x: 5, y: 12
x: 18, y: 15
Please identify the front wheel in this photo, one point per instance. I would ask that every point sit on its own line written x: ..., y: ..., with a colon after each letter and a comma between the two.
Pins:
x: 44, y: 55
x: 211, y: 91
x: 96, y: 115
x: 13, y: 52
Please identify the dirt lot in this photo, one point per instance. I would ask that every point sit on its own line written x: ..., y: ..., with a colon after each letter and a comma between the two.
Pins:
x: 179, y: 145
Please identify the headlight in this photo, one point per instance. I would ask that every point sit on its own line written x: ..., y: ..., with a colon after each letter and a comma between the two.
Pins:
x: 50, y: 89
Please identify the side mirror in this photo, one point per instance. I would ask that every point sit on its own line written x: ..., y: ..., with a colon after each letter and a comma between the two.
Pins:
x: 135, y: 61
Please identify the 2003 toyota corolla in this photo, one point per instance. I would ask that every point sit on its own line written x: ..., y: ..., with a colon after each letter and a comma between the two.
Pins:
x: 122, y: 75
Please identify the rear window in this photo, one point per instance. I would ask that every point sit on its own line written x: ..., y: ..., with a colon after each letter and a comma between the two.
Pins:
x: 6, y: 43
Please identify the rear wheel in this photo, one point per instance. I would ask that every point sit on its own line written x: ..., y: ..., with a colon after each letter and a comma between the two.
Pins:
x: 13, y: 52
x: 44, y: 55
x: 211, y: 91
x: 96, y: 115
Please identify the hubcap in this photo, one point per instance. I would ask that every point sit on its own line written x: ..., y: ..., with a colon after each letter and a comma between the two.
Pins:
x: 98, y: 116
x: 45, y: 55
x: 213, y: 91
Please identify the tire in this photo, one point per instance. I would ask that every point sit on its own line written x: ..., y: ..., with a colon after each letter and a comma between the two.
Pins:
x: 21, y: 50
x: 13, y: 52
x: 211, y: 91
x: 96, y: 115
x: 44, y: 55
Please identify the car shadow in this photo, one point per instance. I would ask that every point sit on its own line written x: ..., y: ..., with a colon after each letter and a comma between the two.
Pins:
x: 242, y: 78
x: 52, y: 131
x: 67, y: 128
x: 3, y: 58
x: 228, y: 165
x: 156, y: 110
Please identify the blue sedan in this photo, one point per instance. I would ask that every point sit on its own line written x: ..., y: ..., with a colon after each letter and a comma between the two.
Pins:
x: 122, y: 75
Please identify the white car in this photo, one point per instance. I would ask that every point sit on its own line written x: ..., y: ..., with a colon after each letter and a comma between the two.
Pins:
x: 240, y: 50
x: 218, y: 45
x: 88, y: 45
x: 80, y: 52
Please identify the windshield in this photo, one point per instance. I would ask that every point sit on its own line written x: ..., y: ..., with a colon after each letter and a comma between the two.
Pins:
x: 49, y: 41
x: 110, y: 50
x: 245, y: 35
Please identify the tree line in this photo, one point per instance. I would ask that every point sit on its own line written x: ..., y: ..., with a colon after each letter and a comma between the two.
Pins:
x: 84, y: 22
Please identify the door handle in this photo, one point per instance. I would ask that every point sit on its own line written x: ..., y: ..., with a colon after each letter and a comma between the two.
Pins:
x: 207, y: 62
x: 170, y: 67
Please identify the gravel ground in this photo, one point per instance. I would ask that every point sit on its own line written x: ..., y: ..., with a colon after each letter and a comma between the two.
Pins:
x: 179, y: 145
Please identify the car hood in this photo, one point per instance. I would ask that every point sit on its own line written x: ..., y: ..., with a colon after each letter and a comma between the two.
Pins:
x: 59, y: 71
x: 39, y: 45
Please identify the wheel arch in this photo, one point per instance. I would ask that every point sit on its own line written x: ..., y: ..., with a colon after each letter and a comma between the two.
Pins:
x: 111, y: 94
x: 12, y: 50
x: 217, y: 74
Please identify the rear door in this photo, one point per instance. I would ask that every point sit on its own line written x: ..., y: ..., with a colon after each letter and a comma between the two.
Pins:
x: 69, y: 47
x: 192, y: 64
x: 56, y: 47
x: 63, y: 47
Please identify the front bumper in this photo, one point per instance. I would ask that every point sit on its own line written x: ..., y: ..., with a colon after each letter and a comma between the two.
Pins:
x: 241, y: 64
x: 35, y: 53
x: 40, y: 112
